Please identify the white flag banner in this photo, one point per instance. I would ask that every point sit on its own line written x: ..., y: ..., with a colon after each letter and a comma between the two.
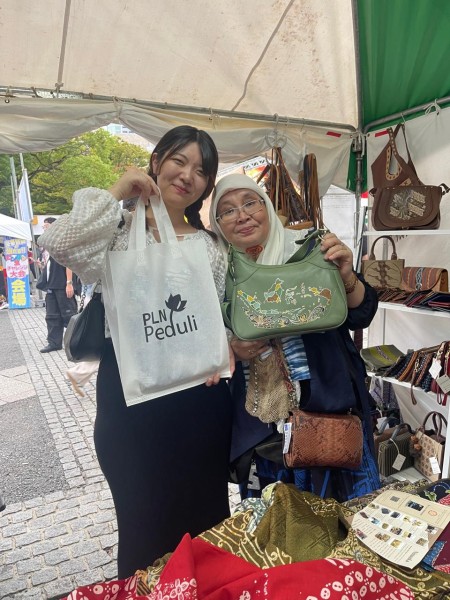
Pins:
x: 24, y: 199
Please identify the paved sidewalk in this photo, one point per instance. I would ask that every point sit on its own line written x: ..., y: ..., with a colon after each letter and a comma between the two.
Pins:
x: 59, y: 531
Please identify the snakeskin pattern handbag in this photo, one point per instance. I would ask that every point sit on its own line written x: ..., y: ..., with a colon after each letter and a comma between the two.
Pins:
x: 322, y: 440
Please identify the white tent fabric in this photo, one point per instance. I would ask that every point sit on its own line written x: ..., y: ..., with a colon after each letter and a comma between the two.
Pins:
x: 231, y: 55
x: 264, y: 59
x: 251, y: 73
x: 14, y: 228
x: 32, y: 125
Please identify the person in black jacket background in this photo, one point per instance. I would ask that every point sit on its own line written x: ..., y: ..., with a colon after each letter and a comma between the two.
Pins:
x: 60, y: 303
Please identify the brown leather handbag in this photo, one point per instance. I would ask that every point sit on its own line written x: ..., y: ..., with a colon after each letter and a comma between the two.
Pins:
x: 322, y: 440
x: 424, y: 278
x: 401, y: 200
x: 383, y: 273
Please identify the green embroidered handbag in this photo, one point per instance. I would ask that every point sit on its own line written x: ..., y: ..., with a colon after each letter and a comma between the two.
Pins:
x: 304, y: 295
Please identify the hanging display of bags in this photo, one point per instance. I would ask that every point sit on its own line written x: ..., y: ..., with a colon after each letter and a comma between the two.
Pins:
x: 401, y: 200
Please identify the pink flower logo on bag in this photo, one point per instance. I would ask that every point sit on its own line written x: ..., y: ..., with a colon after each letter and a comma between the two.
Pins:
x: 168, y: 328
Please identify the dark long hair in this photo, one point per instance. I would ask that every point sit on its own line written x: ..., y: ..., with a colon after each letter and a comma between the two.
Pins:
x: 175, y: 140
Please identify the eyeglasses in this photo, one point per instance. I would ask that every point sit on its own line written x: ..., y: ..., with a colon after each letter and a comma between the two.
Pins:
x: 249, y: 208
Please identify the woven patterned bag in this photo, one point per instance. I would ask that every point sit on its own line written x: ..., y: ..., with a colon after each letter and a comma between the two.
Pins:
x: 431, y: 444
x: 424, y: 278
x: 270, y: 392
x: 323, y: 440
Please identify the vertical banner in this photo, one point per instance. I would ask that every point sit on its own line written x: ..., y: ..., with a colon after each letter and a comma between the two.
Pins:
x: 24, y: 199
x: 17, y: 271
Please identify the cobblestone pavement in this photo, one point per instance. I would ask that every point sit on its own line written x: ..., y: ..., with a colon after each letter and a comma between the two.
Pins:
x: 59, y: 531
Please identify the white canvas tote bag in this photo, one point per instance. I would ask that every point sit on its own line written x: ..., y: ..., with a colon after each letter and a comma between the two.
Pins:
x: 163, y: 311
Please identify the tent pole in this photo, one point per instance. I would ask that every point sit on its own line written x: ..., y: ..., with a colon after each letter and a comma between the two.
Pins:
x: 405, y: 113
x: 357, y: 62
x: 14, y: 188
x: 181, y: 108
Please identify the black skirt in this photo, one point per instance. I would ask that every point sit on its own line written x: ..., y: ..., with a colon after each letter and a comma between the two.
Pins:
x: 166, y: 463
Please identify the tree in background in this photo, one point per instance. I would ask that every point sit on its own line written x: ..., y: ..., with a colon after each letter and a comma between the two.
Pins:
x: 95, y: 159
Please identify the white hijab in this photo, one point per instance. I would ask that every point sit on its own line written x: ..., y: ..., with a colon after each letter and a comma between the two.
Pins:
x: 280, y: 243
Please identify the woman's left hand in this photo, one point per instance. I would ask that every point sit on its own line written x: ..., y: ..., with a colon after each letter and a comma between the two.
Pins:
x: 339, y: 253
x: 214, y: 380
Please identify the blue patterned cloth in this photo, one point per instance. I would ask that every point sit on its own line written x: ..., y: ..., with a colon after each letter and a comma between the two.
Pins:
x: 295, y: 355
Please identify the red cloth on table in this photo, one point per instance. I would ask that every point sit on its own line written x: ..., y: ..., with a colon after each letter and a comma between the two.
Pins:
x: 198, y: 570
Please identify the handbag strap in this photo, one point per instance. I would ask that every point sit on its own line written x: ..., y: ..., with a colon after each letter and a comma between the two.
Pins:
x: 307, y: 245
x: 398, y: 429
x: 83, y: 295
x: 436, y: 416
x: 386, y: 237
x: 404, y: 165
x: 166, y: 231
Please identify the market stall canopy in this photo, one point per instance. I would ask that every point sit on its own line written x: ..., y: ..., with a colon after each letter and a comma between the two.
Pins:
x: 14, y: 228
x: 311, y: 73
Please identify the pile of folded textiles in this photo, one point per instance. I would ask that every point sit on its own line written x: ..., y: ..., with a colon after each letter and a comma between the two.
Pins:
x: 286, y: 544
x: 428, y: 299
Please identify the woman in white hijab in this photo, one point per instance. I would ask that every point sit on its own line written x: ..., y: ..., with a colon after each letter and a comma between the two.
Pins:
x: 325, y: 367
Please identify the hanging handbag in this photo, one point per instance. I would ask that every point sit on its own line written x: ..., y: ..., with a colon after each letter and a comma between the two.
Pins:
x: 287, y: 201
x: 305, y: 294
x: 383, y: 273
x: 424, y: 278
x: 430, y: 446
x: 391, y: 449
x: 41, y: 283
x: 401, y: 200
x: 443, y: 358
x: 270, y: 392
x: 322, y: 440
x: 84, y: 338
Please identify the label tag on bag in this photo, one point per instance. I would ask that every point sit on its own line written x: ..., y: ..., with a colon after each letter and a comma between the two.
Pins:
x: 434, y: 465
x: 444, y: 383
x: 253, y: 479
x: 398, y: 462
x: 287, y: 431
x: 380, y: 422
x: 435, y: 368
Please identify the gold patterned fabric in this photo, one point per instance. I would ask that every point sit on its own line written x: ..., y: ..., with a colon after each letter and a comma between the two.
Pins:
x: 299, y: 526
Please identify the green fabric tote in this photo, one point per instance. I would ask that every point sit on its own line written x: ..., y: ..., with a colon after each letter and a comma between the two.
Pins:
x: 304, y: 295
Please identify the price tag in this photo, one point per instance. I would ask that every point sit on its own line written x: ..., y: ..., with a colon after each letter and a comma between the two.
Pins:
x: 398, y: 462
x: 435, y: 465
x: 435, y: 368
x: 444, y: 383
x: 380, y: 422
x: 253, y: 479
x: 287, y: 430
